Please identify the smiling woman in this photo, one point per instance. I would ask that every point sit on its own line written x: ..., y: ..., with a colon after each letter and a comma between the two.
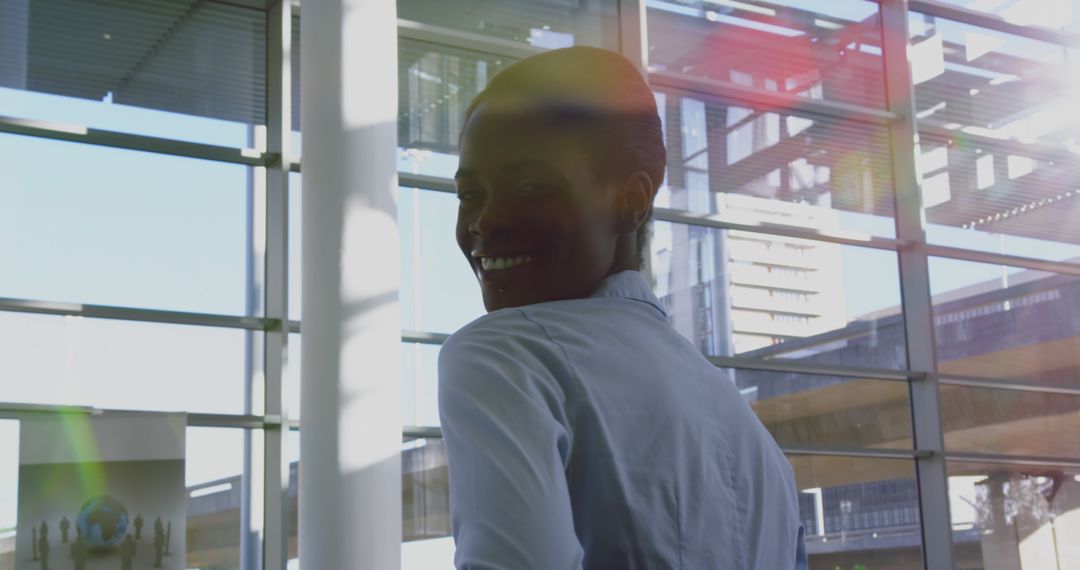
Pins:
x: 547, y: 216
x: 541, y: 400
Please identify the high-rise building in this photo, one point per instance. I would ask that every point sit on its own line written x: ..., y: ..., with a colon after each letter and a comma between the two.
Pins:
x: 746, y: 290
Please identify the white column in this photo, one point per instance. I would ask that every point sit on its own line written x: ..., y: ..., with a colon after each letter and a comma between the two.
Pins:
x: 350, y: 430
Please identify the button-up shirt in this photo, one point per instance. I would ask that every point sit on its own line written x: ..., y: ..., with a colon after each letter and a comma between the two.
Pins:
x: 587, y: 433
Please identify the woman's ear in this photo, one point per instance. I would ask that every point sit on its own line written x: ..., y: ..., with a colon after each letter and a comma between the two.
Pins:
x: 634, y: 202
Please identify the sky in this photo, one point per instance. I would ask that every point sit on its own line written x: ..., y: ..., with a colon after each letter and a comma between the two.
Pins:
x: 87, y: 224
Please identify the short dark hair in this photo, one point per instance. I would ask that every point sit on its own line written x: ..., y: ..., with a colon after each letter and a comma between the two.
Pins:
x: 599, y: 94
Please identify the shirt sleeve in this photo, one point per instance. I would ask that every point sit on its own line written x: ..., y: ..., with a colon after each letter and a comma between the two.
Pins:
x: 801, y: 562
x: 506, y: 451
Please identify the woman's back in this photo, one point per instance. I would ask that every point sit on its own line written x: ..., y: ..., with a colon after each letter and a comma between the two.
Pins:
x: 662, y: 462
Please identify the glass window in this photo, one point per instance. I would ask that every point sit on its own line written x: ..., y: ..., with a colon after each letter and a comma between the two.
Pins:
x: 216, y: 483
x: 193, y: 72
x: 115, y: 364
x: 436, y: 83
x: 999, y: 197
x: 425, y: 494
x: 983, y: 97
x: 290, y: 376
x: 762, y: 296
x: 293, y: 450
x: 420, y: 384
x: 859, y: 512
x: 426, y: 521
x: 1005, y: 322
x: 9, y: 490
x: 215, y: 480
x: 992, y: 84
x: 1010, y: 422
x: 1053, y: 14
x: 763, y: 167
x: 811, y: 409
x: 817, y: 50
x: 543, y: 25
x: 1014, y: 517
x: 435, y: 86
x: 439, y: 292
x: 295, y: 252
x: 90, y: 224
x: 294, y: 53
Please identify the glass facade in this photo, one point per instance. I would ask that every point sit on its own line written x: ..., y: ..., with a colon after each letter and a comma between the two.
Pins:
x: 135, y: 213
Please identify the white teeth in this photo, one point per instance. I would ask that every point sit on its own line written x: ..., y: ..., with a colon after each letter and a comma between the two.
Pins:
x: 497, y: 263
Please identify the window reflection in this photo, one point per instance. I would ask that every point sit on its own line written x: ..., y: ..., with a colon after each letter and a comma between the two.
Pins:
x: 741, y: 293
x: 217, y: 484
x: 1006, y: 322
x: 1053, y: 14
x: 823, y: 410
x: 544, y: 25
x: 997, y: 130
x: 754, y: 166
x: 1010, y: 422
x: 137, y: 67
x: 817, y: 50
x: 858, y: 512
x: 1014, y: 517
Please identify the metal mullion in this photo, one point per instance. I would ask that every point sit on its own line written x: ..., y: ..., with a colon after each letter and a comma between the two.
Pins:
x: 139, y: 315
x: 434, y: 432
x: 438, y: 184
x: 275, y: 301
x: 798, y: 367
x: 463, y: 40
x: 718, y: 221
x: 633, y: 43
x: 14, y: 410
x: 993, y: 22
x: 1016, y: 460
x: 633, y: 34
x: 1006, y: 384
x: 226, y: 420
x: 1033, y: 149
x: 769, y: 100
x: 930, y: 468
x: 425, y: 182
x: 844, y: 451
x: 114, y: 139
x: 773, y: 365
x: 1062, y: 267
x: 421, y: 337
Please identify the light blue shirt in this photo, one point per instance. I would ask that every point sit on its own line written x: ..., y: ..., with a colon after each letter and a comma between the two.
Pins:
x: 588, y: 433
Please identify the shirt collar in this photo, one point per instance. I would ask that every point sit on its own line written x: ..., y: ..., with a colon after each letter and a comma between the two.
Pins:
x: 628, y: 284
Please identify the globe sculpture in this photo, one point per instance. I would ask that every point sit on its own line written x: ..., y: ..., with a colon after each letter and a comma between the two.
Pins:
x: 103, y: 522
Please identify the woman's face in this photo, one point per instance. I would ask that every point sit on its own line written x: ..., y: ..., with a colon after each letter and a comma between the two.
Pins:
x: 534, y: 220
